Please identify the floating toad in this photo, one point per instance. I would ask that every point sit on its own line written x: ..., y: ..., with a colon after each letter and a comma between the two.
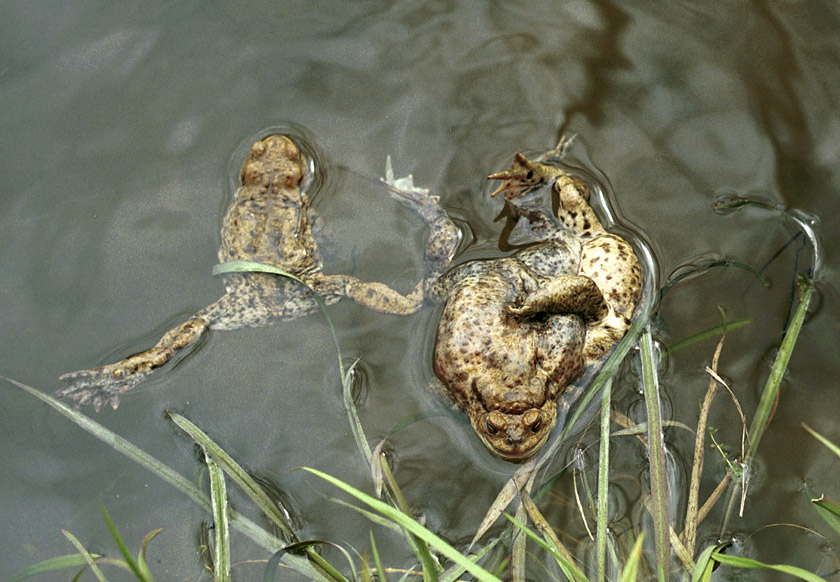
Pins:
x: 516, y: 332
x: 270, y: 222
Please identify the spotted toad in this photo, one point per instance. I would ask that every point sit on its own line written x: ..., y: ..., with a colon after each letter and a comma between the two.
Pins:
x: 270, y: 222
x: 515, y: 332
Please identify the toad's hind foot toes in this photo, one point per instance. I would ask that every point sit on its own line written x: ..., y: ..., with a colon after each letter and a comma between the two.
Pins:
x: 418, y: 200
x: 97, y: 387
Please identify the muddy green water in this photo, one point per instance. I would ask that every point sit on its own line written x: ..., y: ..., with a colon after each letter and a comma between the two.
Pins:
x: 121, y: 132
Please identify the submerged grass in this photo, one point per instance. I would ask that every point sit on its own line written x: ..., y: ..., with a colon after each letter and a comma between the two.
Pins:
x: 389, y: 508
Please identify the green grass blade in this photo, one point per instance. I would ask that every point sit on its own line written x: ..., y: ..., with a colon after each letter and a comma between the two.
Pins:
x: 121, y: 445
x: 327, y: 570
x: 89, y: 560
x: 542, y: 525
x: 221, y: 525
x: 631, y: 568
x: 421, y: 548
x: 370, y: 515
x: 828, y: 510
x: 711, y: 332
x: 237, y: 473
x: 517, y: 554
x: 603, y: 484
x: 610, y: 366
x: 381, y: 574
x: 831, y: 446
x: 51, y: 565
x: 355, y: 424
x: 771, y: 387
x: 571, y: 571
x: 740, y: 562
x: 656, y: 454
x: 254, y: 267
x: 705, y: 564
x: 141, y: 555
x: 129, y: 559
x: 411, y: 525
x: 454, y: 573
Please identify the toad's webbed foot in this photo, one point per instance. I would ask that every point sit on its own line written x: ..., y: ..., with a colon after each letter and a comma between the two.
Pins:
x: 416, y: 199
x: 444, y: 235
x: 100, y: 386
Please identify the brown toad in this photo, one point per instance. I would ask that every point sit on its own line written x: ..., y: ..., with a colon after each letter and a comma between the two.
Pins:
x: 516, y: 332
x: 270, y: 222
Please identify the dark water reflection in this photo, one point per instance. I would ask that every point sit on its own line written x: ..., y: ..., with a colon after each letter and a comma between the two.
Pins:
x: 118, y: 130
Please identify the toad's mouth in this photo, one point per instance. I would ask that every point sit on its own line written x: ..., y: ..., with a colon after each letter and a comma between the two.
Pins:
x: 511, y: 451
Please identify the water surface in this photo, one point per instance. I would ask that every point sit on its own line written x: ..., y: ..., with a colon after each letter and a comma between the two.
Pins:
x: 123, y: 128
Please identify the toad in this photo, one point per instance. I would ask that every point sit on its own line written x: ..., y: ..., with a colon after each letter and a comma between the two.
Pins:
x: 270, y: 221
x: 515, y: 332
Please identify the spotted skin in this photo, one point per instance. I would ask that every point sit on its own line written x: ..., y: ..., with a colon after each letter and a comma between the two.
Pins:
x: 504, y: 360
x: 606, y: 258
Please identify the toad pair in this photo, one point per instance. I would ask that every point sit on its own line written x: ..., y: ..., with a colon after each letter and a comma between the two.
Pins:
x: 514, y: 331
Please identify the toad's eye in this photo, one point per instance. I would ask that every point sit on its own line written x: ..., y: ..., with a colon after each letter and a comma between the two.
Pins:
x: 533, y: 420
x: 495, y: 423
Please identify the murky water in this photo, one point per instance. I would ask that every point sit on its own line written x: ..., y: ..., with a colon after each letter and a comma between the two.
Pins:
x: 122, y: 130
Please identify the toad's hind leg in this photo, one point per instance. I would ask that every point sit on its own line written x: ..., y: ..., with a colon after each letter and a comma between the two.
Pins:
x: 105, y: 384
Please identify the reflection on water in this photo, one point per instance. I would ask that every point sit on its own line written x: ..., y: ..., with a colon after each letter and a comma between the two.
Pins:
x: 117, y: 132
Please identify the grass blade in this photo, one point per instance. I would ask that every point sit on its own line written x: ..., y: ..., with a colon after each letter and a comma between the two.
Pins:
x: 692, y: 510
x: 221, y: 526
x: 380, y: 570
x: 828, y: 510
x: 51, y: 565
x: 705, y: 564
x: 421, y: 548
x: 631, y: 567
x: 355, y: 424
x: 236, y: 472
x: 89, y: 560
x: 740, y: 562
x: 656, y: 452
x: 541, y: 523
x: 121, y: 445
x: 517, y: 554
x: 254, y: 267
x: 129, y: 559
x: 610, y: 366
x: 711, y: 332
x: 411, y: 525
x: 571, y: 571
x: 771, y: 387
x: 508, y: 493
x: 831, y: 446
x: 456, y: 570
x: 603, y: 484
x: 141, y: 555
